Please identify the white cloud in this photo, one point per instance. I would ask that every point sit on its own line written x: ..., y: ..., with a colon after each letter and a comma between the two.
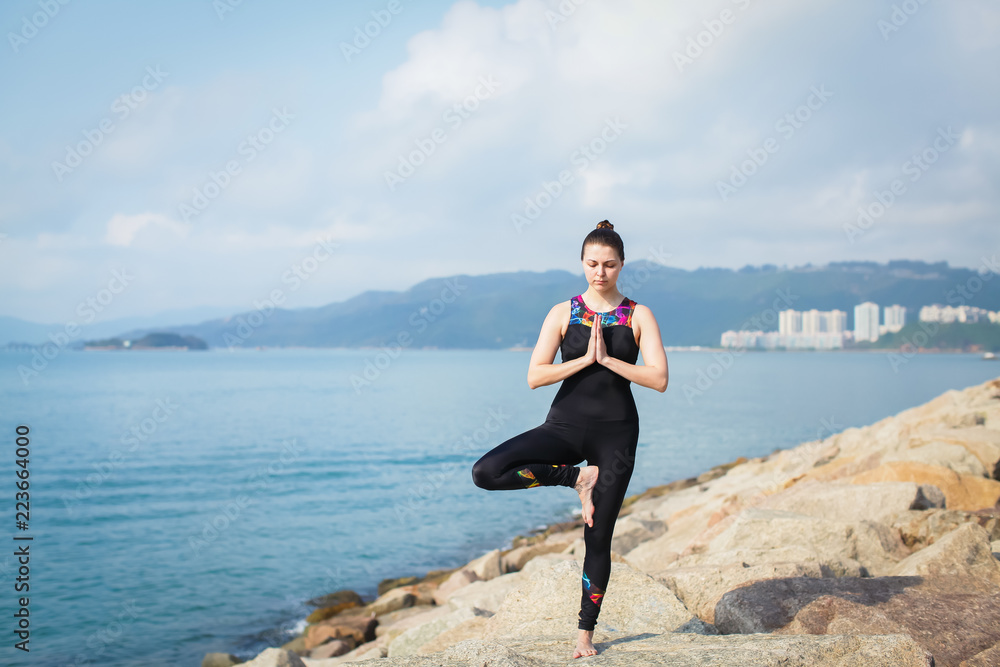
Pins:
x: 122, y: 229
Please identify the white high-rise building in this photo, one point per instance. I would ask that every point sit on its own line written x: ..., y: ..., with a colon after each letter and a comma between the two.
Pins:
x: 894, y: 318
x: 813, y: 322
x: 789, y: 322
x: 836, y: 321
x: 866, y: 322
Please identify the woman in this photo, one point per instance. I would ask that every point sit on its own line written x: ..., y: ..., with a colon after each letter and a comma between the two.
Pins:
x: 593, y: 416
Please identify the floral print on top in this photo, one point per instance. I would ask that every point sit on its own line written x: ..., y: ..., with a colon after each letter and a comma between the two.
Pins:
x: 581, y: 314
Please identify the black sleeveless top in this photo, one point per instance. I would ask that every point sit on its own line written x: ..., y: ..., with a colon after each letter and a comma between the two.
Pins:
x: 597, y: 393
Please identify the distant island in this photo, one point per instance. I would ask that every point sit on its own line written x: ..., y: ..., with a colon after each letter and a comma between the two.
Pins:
x: 163, y: 340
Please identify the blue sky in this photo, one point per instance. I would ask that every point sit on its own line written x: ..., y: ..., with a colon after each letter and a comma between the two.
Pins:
x: 216, y: 151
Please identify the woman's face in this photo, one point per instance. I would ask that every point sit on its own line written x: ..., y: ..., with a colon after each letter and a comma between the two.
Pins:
x: 601, y: 266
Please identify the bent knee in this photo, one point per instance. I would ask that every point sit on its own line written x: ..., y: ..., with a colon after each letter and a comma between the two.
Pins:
x: 481, y: 475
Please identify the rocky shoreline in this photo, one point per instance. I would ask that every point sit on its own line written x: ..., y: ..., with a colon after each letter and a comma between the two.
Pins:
x: 878, y: 545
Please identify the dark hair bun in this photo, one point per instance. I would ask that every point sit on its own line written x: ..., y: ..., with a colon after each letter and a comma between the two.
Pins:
x: 604, y: 224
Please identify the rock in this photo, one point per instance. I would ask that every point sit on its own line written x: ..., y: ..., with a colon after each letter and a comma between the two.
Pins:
x: 426, y: 614
x: 700, y: 587
x: 486, y: 566
x: 457, y: 580
x: 988, y: 658
x: 276, y: 657
x: 953, y: 618
x: 411, y: 640
x: 963, y: 492
x: 964, y: 551
x: 954, y: 457
x: 392, y: 618
x: 219, y: 660
x: 633, y: 529
x: 980, y: 441
x: 335, y: 598
x: 330, y: 649
x: 487, y: 595
x: 359, y: 629
x: 680, y: 650
x: 298, y: 645
x: 761, y: 532
x: 395, y: 598
x: 514, y: 560
x: 324, y: 613
x: 367, y: 651
x: 548, y: 602
x: 472, y: 628
x: 854, y: 502
x: 920, y: 529
x: 387, y: 585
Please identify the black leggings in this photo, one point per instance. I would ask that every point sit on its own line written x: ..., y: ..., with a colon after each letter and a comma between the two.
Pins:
x: 547, y: 456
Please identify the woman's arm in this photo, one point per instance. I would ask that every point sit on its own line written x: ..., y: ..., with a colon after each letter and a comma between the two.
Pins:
x: 541, y: 370
x: 654, y: 372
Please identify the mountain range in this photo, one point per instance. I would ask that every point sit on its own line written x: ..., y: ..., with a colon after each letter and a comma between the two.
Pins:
x: 503, y: 310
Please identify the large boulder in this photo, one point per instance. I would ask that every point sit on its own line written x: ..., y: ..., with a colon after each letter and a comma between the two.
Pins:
x: 701, y: 587
x: 548, y: 602
x: 460, y: 578
x: 410, y: 641
x: 487, y: 595
x: 769, y: 535
x: 962, y: 492
x: 964, y: 551
x: 854, y: 502
x: 948, y: 455
x: 952, y: 617
x: 634, y: 529
x: 486, y: 566
x: 919, y: 529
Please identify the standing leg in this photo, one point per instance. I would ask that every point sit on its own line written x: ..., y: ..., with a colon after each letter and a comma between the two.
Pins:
x: 544, y: 456
x: 611, y: 446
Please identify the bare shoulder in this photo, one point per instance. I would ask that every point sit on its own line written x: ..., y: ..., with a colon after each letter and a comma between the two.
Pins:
x: 643, y: 314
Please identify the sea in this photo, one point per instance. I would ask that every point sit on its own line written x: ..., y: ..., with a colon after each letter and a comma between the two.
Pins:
x: 180, y: 503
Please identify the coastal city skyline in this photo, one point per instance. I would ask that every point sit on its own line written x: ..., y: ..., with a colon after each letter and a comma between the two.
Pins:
x: 816, y: 329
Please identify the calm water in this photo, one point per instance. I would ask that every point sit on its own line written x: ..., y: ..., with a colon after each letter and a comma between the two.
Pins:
x: 191, y: 502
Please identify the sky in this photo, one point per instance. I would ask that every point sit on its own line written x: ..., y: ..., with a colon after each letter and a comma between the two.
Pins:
x: 197, y: 153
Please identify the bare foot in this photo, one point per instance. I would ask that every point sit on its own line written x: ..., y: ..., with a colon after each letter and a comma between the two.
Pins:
x: 585, y: 484
x: 584, y: 645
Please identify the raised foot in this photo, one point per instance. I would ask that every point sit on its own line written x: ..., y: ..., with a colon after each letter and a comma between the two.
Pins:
x: 584, y: 645
x: 585, y: 484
